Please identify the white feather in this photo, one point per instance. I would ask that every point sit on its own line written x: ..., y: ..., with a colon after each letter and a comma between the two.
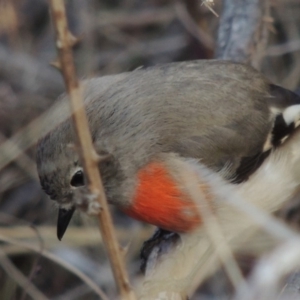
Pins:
x: 291, y: 114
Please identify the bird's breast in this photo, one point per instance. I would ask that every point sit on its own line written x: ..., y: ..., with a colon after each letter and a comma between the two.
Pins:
x: 158, y: 200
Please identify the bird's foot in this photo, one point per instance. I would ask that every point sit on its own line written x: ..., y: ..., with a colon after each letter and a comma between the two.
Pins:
x: 87, y: 201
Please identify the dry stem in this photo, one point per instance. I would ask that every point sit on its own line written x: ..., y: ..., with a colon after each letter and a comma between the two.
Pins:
x: 21, y: 279
x: 61, y: 262
x: 87, y: 152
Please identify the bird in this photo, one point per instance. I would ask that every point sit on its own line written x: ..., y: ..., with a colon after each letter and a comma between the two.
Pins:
x: 223, y: 115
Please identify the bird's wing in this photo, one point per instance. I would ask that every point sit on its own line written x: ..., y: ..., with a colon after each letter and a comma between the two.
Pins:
x: 226, y: 149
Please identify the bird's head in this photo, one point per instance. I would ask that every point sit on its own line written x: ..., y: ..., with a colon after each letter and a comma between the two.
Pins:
x: 61, y: 174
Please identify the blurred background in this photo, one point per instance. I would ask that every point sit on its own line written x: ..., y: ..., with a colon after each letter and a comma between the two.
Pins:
x: 115, y: 36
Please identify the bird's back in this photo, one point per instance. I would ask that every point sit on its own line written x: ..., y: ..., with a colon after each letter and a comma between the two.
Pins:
x: 212, y: 110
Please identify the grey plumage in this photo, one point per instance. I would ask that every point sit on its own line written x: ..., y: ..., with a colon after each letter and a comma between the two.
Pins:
x: 218, y: 112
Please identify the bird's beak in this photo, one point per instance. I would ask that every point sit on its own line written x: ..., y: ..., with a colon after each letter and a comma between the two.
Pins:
x: 63, y: 220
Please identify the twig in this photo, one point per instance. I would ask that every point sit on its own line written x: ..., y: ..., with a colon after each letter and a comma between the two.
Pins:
x: 65, y: 41
x: 260, y: 40
x: 35, y: 262
x: 24, y: 282
x: 281, y: 49
x: 140, y: 18
x: 31, y: 133
x: 89, y: 282
x: 291, y: 79
x: 191, y: 26
x: 214, y: 232
x: 208, y: 4
x: 23, y: 161
x: 270, y: 271
x: 77, y: 236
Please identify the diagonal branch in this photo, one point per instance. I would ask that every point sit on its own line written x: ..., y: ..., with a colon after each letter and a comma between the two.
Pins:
x: 64, y: 43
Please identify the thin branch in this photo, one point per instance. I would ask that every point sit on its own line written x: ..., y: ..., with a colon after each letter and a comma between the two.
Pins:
x: 64, y: 43
x: 129, y: 19
x: 191, y: 26
x: 24, y: 282
x: 36, y: 261
x: 261, y: 36
x: 23, y: 161
x: 208, y: 4
x: 281, y: 49
x: 214, y: 232
x: 270, y: 271
x: 29, y: 245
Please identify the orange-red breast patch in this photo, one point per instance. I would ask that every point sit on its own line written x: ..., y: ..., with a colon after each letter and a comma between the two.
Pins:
x: 159, y: 201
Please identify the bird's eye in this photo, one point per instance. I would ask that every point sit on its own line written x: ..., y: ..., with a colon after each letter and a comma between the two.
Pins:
x: 77, y: 179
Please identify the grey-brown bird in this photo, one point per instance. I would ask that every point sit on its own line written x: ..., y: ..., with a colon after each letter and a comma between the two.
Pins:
x: 224, y: 115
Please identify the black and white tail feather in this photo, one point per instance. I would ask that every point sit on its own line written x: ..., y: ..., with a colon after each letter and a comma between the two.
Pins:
x: 285, y: 107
